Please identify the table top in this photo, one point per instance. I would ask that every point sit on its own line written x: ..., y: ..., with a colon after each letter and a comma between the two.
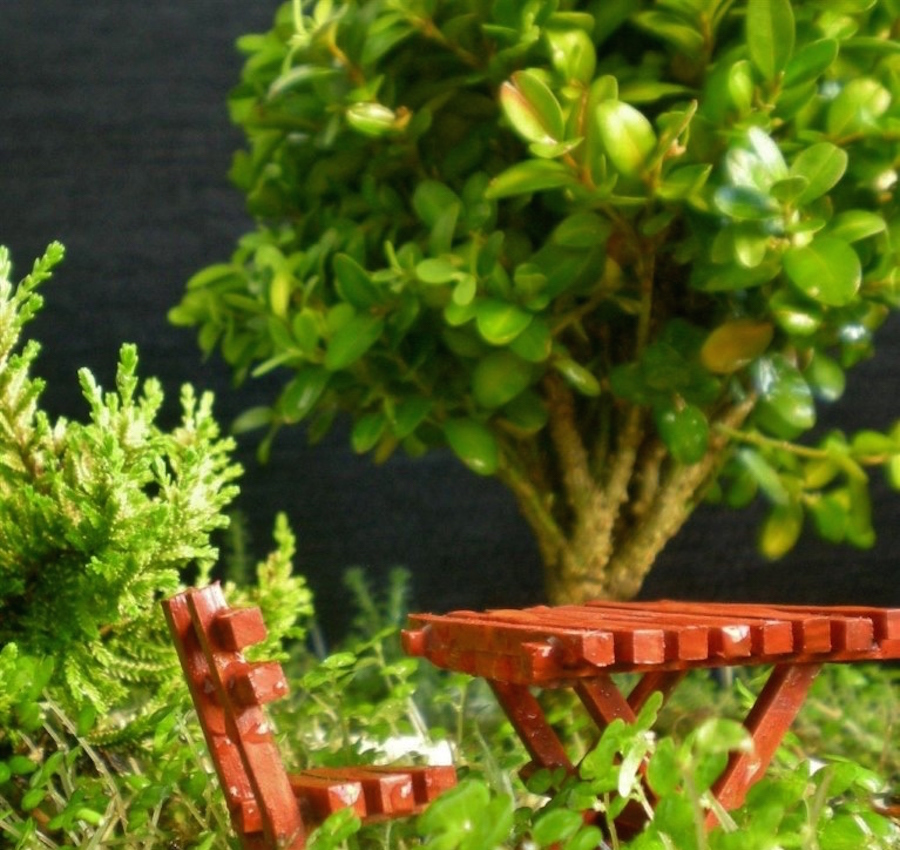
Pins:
x: 549, y: 646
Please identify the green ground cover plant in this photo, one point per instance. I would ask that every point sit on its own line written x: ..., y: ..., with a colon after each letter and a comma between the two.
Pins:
x: 616, y: 253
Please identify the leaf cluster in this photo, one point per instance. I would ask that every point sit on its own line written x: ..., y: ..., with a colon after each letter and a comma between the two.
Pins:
x: 677, y: 207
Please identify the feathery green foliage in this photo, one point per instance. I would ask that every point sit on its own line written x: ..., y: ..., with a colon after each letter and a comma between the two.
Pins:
x: 97, y: 519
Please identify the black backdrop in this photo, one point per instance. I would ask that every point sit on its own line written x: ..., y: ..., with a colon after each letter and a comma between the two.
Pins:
x: 114, y: 139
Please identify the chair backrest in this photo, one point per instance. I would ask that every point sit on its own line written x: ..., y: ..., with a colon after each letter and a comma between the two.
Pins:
x: 228, y: 694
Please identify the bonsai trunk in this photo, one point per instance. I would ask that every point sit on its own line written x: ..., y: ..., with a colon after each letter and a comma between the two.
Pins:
x: 602, y: 508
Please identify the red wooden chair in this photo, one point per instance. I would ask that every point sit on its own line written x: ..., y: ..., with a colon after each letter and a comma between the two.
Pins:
x: 269, y: 807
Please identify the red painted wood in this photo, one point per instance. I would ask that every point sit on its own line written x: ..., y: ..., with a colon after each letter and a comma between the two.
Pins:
x: 263, y: 808
x: 528, y: 719
x: 517, y: 649
x: 269, y: 809
x: 768, y: 721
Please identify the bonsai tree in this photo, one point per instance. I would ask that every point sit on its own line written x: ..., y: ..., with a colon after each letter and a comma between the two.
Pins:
x: 613, y: 252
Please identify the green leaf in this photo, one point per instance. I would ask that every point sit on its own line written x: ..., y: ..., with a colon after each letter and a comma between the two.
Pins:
x: 214, y: 274
x: 302, y: 393
x: 857, y: 107
x: 627, y: 136
x: 534, y: 344
x: 856, y: 225
x: 683, y: 182
x: 671, y: 28
x: 786, y: 406
x: 573, y: 53
x: 352, y: 341
x: 431, y: 199
x: 825, y: 377
x: 409, y: 414
x: 500, y: 322
x: 474, y: 444
x: 685, y: 431
x: 581, y: 380
x: 765, y: 475
x: 744, y: 203
x: 499, y: 378
x: 795, y: 315
x: 827, y: 270
x: 367, y: 431
x: 353, y: 283
x: 822, y: 165
x: 810, y: 62
x: 582, y: 230
x: 436, y: 271
x: 555, y: 826
x: 251, y: 419
x: 525, y: 178
x: 532, y: 108
x: 770, y: 35
x: 781, y: 530
x: 527, y: 412
x: 372, y: 119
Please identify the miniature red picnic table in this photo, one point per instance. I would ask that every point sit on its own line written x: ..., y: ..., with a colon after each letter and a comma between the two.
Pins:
x: 581, y: 646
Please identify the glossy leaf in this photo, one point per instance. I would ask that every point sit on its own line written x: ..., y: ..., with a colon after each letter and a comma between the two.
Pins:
x: 582, y: 230
x: 744, y: 203
x: 765, y: 475
x: 353, y: 283
x: 372, y: 119
x: 436, y: 271
x: 577, y: 376
x: 827, y: 270
x: 781, y: 530
x: 367, y: 431
x: 627, y: 135
x: 857, y: 107
x: 856, y: 225
x: 500, y: 322
x: 352, y: 341
x: 734, y: 344
x: 499, y: 378
x: 431, y: 199
x: 822, y: 165
x: 532, y: 108
x: 673, y: 29
x: 527, y: 412
x: 825, y: 377
x: 810, y: 61
x: 300, y: 396
x: 786, y: 406
x: 409, y: 414
x: 534, y: 344
x: 684, y: 182
x: 525, y: 178
x: 795, y: 315
x: 573, y: 53
x: 474, y: 444
x: 685, y: 431
x: 770, y: 35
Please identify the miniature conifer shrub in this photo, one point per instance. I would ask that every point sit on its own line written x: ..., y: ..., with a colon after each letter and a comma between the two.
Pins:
x: 614, y: 252
x: 99, y: 519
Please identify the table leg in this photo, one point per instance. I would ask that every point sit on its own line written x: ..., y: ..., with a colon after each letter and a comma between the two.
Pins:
x: 664, y: 682
x: 603, y: 700
x: 528, y: 719
x: 768, y: 721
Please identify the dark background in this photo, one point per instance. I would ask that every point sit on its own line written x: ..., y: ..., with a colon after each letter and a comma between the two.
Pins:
x: 114, y: 139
